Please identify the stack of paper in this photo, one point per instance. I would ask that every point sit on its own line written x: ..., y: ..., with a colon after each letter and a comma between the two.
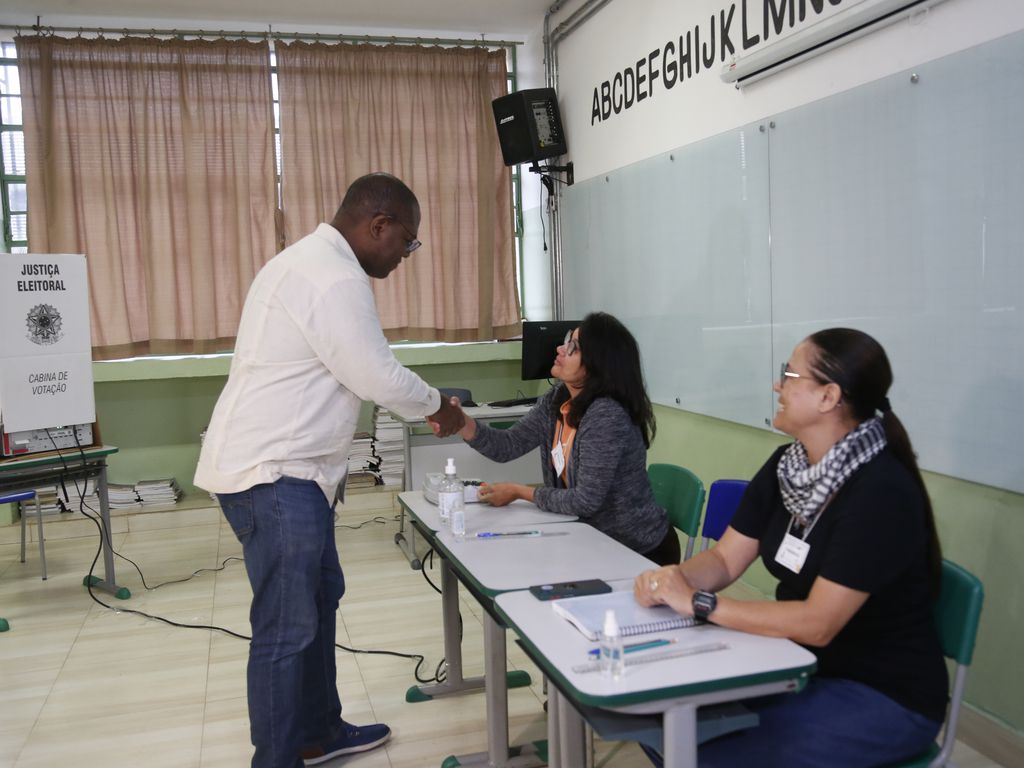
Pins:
x: 51, y: 498
x: 122, y: 496
x: 154, y: 492
x: 388, y: 447
x: 363, y: 464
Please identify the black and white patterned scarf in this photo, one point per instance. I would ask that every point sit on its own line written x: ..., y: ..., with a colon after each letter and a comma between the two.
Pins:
x: 806, y: 489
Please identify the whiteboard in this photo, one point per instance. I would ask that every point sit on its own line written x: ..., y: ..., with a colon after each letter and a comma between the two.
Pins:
x: 896, y: 207
x: 676, y: 246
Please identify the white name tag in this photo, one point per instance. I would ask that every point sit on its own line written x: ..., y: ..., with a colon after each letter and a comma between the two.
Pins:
x: 792, y: 553
x: 558, y: 459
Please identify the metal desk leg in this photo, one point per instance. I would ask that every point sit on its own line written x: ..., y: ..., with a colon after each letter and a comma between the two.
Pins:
x: 572, y: 735
x: 498, y: 754
x: 108, y: 583
x: 454, y: 681
x: 407, y: 542
x: 680, y: 729
x: 554, y: 734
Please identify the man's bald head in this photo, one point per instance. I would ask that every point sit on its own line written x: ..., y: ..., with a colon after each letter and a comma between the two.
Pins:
x: 379, y: 218
x: 379, y: 193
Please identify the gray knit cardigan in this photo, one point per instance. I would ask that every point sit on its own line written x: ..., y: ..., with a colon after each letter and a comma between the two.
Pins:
x: 607, y: 469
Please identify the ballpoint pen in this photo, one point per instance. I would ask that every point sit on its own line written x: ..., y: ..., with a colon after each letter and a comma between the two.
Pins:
x: 498, y: 534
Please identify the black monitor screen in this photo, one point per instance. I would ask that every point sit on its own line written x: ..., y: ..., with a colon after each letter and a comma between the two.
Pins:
x: 540, y: 345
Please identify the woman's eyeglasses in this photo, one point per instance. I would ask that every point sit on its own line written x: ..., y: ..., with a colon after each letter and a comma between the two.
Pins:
x: 785, y: 373
x: 571, y: 345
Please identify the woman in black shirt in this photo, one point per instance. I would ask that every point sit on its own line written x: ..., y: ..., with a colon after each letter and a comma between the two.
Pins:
x: 842, y: 519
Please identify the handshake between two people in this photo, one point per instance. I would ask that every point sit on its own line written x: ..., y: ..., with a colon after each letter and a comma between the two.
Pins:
x: 450, y: 419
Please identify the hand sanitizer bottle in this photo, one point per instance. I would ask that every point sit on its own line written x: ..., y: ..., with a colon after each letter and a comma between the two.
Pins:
x: 449, y: 493
x: 613, y: 663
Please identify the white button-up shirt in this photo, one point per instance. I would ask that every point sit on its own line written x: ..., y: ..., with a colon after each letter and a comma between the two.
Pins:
x: 309, y: 349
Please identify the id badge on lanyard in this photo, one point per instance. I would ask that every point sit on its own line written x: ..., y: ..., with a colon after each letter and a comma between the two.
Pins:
x: 558, y: 459
x: 792, y: 552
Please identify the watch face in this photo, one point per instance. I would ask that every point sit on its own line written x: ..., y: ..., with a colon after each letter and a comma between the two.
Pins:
x: 703, y: 604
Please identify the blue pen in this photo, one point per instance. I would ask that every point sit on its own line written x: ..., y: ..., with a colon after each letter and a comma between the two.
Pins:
x: 629, y: 648
x: 497, y: 534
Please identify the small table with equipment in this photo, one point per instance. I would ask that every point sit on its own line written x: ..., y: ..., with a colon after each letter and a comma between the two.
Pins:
x: 24, y: 473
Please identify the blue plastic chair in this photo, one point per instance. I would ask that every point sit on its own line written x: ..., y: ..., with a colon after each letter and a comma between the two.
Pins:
x: 723, y: 499
x: 681, y: 493
x: 20, y: 498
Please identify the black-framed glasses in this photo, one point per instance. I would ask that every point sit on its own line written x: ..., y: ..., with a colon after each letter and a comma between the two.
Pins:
x: 785, y: 373
x: 411, y: 243
x: 571, y: 345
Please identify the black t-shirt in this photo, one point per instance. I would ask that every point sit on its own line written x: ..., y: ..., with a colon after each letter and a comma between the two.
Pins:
x: 872, y: 537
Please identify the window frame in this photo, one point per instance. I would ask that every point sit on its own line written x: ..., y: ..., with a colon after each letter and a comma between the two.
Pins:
x: 8, y: 57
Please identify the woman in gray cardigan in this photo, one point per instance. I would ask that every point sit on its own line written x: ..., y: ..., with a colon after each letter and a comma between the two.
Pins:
x: 593, y: 429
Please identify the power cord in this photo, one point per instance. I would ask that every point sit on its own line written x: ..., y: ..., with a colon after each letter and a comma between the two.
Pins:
x: 438, y: 676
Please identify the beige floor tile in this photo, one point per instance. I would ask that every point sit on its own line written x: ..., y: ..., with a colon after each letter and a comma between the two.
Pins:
x: 154, y: 736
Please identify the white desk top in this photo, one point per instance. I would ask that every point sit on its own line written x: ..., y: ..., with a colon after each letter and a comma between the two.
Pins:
x: 481, y: 517
x: 748, y: 660
x: 566, y: 552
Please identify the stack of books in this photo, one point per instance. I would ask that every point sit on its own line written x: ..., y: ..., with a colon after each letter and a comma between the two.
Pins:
x: 388, y: 447
x: 361, y: 458
x: 51, y: 498
x: 154, y: 492
x: 122, y: 496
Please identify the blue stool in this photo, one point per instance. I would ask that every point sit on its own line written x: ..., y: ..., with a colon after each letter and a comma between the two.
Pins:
x: 20, y: 498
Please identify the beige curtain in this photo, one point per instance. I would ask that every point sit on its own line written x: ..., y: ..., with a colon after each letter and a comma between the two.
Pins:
x: 155, y: 158
x: 424, y: 115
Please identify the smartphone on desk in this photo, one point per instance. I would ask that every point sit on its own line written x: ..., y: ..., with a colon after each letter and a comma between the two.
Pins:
x: 570, y: 589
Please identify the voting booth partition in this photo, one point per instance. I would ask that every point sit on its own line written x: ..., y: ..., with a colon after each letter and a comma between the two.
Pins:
x: 45, y: 352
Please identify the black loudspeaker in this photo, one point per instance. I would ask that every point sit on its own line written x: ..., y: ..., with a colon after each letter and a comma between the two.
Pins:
x: 529, y: 126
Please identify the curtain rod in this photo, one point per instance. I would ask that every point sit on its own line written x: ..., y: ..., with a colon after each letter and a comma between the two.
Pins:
x: 268, y: 35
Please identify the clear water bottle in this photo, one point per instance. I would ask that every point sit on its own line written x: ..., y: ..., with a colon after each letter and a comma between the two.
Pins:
x: 457, y: 516
x: 613, y: 662
x: 449, y: 493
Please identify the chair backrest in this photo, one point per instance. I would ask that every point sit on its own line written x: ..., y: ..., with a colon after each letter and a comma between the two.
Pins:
x: 464, y: 395
x: 958, y: 612
x: 681, y: 493
x: 723, y: 499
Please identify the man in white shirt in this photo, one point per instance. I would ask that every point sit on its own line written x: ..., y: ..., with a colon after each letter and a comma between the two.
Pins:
x: 309, y: 349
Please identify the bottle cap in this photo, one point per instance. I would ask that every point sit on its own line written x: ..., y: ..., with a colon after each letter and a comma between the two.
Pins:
x: 450, y: 467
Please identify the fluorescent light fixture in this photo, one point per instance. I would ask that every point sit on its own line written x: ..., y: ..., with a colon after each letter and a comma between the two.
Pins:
x: 829, y: 33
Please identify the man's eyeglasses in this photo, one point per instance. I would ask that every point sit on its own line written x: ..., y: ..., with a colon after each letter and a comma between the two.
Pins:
x: 785, y: 373
x: 411, y: 243
x: 571, y: 345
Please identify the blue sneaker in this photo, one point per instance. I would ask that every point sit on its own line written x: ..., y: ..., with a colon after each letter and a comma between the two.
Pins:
x: 356, y: 738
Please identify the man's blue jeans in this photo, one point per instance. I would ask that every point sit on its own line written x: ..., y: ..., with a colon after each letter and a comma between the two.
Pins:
x: 287, y: 533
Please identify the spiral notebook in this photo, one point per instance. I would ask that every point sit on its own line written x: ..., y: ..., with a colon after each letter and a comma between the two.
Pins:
x: 587, y: 614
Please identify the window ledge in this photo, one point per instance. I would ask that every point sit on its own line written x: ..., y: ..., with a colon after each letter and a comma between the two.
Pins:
x: 199, y: 366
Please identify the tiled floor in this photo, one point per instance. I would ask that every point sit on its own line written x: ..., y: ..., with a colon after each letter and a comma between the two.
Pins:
x: 84, y: 686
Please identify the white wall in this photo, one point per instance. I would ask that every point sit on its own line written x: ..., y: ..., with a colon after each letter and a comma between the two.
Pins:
x: 624, y: 32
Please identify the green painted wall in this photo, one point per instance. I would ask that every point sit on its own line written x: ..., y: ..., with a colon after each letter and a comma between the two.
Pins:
x: 981, y: 528
x: 154, y: 411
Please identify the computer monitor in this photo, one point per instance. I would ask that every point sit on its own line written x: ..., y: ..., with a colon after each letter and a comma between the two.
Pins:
x: 540, y: 345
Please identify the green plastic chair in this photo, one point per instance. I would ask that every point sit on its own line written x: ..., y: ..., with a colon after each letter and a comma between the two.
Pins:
x: 681, y: 493
x: 957, y: 613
